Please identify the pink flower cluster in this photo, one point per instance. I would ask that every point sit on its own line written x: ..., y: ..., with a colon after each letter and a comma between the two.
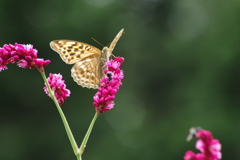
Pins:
x: 209, y: 147
x: 58, y: 87
x: 24, y: 54
x: 109, y: 86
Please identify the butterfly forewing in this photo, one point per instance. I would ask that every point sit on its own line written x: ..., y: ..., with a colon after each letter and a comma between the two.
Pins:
x: 90, y: 61
x: 73, y: 51
x: 115, y: 40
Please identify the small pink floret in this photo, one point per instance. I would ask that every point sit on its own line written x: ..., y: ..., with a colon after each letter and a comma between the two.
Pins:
x: 22, y: 63
x: 2, y: 67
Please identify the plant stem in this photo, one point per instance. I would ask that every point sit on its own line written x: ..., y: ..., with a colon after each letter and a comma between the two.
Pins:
x: 79, y: 157
x: 84, y: 142
x: 66, y: 125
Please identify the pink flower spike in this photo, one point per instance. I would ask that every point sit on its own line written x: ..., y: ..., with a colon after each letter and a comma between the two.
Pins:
x: 24, y: 55
x: 210, y: 148
x: 58, y: 87
x: 109, y: 85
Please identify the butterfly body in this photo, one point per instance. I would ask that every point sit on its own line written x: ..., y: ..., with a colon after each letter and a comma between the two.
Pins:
x: 89, y: 61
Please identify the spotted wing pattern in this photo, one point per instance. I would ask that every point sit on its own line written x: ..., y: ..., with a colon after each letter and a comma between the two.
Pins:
x: 74, y: 51
x: 87, y: 73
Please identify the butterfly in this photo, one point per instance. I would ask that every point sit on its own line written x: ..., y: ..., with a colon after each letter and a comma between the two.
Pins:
x: 89, y: 61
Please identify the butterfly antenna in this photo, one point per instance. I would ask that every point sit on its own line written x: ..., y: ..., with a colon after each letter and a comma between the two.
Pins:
x: 97, y: 41
x: 102, y: 45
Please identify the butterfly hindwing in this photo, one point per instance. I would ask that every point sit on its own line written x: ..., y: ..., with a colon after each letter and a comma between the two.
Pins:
x: 87, y: 72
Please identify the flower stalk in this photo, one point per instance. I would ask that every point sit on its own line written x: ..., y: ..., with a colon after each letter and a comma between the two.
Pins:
x: 84, y: 142
x: 65, y: 123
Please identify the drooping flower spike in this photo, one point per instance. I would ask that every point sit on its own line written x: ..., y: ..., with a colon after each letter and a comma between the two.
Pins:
x: 210, y: 148
x: 58, y: 87
x: 24, y: 55
x: 109, y: 86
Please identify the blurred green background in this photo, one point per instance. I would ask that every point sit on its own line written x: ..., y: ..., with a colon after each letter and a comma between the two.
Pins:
x: 181, y: 70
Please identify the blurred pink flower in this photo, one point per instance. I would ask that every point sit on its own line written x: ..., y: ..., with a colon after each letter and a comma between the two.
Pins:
x: 210, y: 148
x: 26, y: 56
x: 58, y: 87
x: 109, y: 86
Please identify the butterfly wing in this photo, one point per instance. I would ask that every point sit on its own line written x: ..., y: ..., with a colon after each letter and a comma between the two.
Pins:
x: 115, y: 40
x: 88, y: 72
x: 74, y: 51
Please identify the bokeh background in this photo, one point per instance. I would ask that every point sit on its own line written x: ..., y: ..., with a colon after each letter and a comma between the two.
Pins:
x: 181, y: 70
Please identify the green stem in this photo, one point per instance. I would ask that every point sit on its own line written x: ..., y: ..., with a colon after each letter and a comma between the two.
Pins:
x: 84, y: 142
x: 66, y: 125
x: 79, y: 157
